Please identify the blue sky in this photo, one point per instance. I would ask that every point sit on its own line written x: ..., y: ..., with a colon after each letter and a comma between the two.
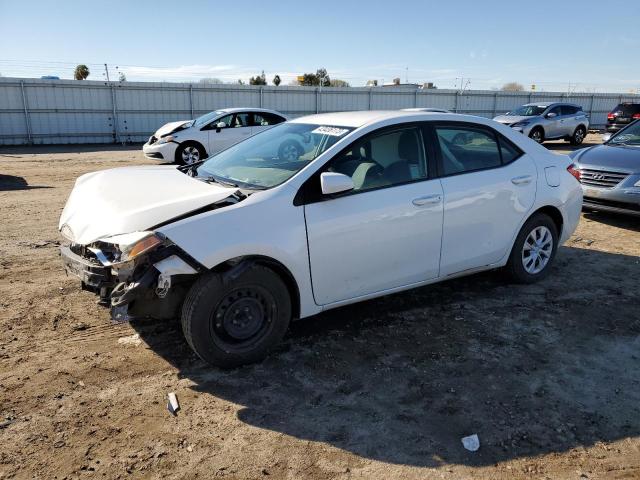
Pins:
x: 558, y: 45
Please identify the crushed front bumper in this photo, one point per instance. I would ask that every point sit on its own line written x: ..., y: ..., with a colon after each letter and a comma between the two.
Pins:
x: 93, y: 275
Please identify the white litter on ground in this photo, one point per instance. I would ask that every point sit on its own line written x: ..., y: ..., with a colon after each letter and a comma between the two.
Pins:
x: 133, y: 340
x: 471, y: 443
x: 173, y: 406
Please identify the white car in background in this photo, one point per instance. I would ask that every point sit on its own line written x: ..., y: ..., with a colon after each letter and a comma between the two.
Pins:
x: 190, y: 141
x: 245, y: 242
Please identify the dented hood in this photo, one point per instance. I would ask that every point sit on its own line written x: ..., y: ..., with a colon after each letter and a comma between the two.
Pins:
x: 170, y: 127
x: 130, y: 199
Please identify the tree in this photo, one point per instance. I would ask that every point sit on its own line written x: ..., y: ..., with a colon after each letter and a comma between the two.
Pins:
x: 258, y: 79
x: 122, y: 77
x: 338, y: 83
x: 276, y: 80
x: 372, y: 83
x: 320, y: 78
x: 240, y: 81
x: 210, y: 81
x: 396, y: 81
x: 512, y: 87
x: 81, y: 72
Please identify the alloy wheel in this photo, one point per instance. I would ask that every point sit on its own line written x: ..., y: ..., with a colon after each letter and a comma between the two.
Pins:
x: 537, y: 249
x: 290, y: 153
x: 190, y: 155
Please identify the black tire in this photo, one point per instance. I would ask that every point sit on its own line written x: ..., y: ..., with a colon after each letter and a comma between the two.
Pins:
x: 189, y: 147
x: 537, y: 135
x: 578, y: 136
x: 515, y: 267
x: 290, y: 151
x: 258, y: 300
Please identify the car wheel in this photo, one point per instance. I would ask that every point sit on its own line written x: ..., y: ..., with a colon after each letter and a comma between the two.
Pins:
x: 232, y: 322
x: 537, y: 135
x: 290, y: 151
x: 578, y: 136
x: 534, y: 250
x: 189, y: 153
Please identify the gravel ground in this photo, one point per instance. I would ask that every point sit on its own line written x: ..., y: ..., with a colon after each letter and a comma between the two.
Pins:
x: 547, y: 375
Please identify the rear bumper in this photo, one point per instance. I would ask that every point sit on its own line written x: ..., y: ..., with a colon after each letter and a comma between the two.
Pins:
x: 615, y: 127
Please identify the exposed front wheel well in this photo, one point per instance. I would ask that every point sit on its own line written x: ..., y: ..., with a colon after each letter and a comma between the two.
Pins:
x: 236, y: 266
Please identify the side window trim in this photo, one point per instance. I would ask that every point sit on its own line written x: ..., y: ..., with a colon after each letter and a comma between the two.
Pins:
x: 306, y: 196
x: 473, y: 126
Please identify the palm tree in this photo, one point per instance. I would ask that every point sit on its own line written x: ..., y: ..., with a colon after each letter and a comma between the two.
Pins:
x: 81, y: 72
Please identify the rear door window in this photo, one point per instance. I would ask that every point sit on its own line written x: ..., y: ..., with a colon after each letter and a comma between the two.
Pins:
x: 466, y: 149
x: 569, y: 110
x: 264, y: 119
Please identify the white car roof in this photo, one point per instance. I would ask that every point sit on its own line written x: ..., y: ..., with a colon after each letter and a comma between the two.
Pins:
x: 359, y: 118
x: 248, y: 109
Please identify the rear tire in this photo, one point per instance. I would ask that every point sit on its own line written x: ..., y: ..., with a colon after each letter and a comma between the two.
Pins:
x: 232, y: 322
x: 534, y: 250
x: 578, y: 136
x: 537, y: 135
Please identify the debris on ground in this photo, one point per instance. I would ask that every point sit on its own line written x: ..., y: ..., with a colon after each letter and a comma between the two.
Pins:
x: 172, y: 405
x: 471, y: 443
x: 132, y: 340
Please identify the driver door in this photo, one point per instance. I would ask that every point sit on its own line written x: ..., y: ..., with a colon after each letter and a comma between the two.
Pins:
x: 386, y: 232
x: 552, y: 126
x: 237, y: 128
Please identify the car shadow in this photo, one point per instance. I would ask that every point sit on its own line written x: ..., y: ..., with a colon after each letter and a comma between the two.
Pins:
x: 11, y: 182
x: 628, y: 222
x: 532, y: 369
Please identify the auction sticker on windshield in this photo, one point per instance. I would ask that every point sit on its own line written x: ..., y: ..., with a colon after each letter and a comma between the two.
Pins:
x: 333, y: 131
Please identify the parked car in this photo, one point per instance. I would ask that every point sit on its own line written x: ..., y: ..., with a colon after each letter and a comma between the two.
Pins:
x: 610, y: 173
x: 189, y: 141
x: 242, y: 243
x: 548, y: 121
x: 426, y: 110
x: 622, y: 115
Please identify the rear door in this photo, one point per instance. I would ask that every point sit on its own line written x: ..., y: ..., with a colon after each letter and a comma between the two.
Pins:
x: 489, y: 185
x: 569, y: 120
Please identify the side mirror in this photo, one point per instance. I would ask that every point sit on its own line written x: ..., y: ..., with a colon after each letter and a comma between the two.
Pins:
x: 606, y: 137
x: 551, y: 115
x: 220, y: 126
x: 331, y: 182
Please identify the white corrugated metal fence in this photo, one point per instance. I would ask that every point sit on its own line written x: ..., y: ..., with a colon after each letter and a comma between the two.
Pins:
x: 67, y: 111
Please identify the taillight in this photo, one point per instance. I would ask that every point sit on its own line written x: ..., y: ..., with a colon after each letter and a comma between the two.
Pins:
x: 610, y: 116
x: 636, y: 115
x: 573, y: 170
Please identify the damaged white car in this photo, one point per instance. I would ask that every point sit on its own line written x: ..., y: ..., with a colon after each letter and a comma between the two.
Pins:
x: 376, y: 202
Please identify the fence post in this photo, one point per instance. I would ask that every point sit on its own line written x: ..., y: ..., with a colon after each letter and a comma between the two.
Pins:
x: 415, y: 99
x: 115, y: 114
x: 370, y: 95
x: 191, y: 99
x: 260, y: 97
x: 318, y: 100
x: 591, y: 108
x: 27, y: 119
x: 455, y: 104
x: 495, y: 104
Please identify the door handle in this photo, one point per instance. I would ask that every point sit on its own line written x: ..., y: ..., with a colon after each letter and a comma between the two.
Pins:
x: 522, y: 180
x: 427, y: 200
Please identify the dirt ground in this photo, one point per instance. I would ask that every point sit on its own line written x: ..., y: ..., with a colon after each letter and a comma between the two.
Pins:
x: 547, y: 375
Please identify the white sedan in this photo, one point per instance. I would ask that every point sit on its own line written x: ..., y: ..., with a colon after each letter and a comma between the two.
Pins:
x: 189, y: 141
x: 378, y: 202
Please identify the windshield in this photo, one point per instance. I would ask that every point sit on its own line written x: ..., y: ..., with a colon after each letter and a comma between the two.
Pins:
x: 273, y: 156
x: 206, y: 118
x: 628, y: 136
x: 528, y: 111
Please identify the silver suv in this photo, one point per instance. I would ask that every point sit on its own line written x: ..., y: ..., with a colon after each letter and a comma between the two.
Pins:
x: 548, y: 121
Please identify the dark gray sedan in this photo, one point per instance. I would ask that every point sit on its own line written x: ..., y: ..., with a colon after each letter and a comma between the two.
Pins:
x: 610, y: 173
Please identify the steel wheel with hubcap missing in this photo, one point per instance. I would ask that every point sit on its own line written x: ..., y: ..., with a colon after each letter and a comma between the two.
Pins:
x: 536, y: 251
x: 233, y: 320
